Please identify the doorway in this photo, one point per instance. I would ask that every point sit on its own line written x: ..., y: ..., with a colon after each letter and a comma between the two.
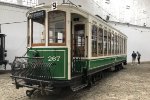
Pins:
x: 78, y: 47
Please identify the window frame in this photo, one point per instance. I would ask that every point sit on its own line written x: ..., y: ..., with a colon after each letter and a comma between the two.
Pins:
x: 105, y: 45
x: 30, y: 32
x: 100, y: 36
x: 109, y: 41
x: 94, y: 38
x: 64, y: 36
x: 112, y: 43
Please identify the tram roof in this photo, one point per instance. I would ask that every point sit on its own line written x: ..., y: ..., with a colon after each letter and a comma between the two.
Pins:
x: 65, y: 7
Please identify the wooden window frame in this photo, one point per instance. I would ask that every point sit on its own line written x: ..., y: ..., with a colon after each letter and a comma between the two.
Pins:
x: 105, y: 51
x: 112, y: 43
x: 109, y: 42
x: 100, y: 32
x: 64, y: 36
x: 94, y: 54
x: 35, y: 44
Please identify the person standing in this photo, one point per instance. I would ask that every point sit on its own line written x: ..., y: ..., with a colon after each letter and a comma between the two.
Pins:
x: 133, y: 57
x: 138, y: 57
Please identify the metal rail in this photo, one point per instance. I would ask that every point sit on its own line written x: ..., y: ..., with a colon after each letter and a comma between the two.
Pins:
x: 31, y: 71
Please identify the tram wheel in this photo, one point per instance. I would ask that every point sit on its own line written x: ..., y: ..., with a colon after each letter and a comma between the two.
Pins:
x: 89, y: 81
x: 29, y: 93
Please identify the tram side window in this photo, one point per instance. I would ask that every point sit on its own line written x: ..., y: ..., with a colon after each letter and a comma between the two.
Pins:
x: 109, y: 43
x: 125, y: 45
x: 57, y: 27
x: 100, y: 41
x: 94, y: 40
x: 105, y: 42
x: 121, y: 45
x: 116, y: 44
x: 112, y: 44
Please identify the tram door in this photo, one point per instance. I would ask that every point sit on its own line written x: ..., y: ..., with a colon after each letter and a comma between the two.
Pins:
x: 78, y: 47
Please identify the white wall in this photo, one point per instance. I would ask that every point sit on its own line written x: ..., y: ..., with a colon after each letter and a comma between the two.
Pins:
x: 138, y: 40
x: 137, y: 14
x: 15, y: 32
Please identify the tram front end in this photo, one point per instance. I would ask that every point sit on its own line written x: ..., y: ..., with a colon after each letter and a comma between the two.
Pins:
x: 45, y: 65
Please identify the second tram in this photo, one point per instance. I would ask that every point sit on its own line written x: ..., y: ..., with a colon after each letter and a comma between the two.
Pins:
x: 3, y: 52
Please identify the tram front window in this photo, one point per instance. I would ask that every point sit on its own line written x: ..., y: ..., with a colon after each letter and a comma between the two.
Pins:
x: 57, y: 28
x: 38, y: 28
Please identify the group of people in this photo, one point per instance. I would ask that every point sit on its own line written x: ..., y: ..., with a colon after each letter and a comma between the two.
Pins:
x: 134, y: 56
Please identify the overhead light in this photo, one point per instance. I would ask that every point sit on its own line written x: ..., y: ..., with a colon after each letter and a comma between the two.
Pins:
x: 127, y: 7
x: 107, y: 1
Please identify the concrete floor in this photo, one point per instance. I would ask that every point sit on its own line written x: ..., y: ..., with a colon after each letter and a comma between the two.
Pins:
x: 131, y: 83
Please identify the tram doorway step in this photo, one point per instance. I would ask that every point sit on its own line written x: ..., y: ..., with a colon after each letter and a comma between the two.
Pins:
x: 76, y: 88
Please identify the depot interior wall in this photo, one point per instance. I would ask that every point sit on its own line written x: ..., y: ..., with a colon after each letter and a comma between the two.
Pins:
x: 138, y: 40
x: 15, y: 32
x: 127, y: 11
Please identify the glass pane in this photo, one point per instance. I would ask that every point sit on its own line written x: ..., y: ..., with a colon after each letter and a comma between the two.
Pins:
x: 105, y: 42
x: 94, y: 40
x: 112, y: 43
x: 109, y: 43
x: 38, y: 27
x: 57, y: 27
x: 100, y: 41
x: 38, y: 33
x: 116, y: 46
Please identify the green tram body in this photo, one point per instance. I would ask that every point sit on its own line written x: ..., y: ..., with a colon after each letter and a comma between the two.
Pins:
x: 60, y: 70
x: 74, y: 57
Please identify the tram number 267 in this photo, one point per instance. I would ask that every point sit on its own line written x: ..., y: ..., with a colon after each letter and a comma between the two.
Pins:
x: 53, y: 58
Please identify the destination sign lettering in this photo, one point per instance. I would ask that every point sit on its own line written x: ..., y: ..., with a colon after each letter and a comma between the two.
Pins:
x: 38, y: 14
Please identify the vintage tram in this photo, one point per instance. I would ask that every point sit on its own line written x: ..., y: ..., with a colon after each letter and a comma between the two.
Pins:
x: 67, y: 47
x: 3, y: 53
